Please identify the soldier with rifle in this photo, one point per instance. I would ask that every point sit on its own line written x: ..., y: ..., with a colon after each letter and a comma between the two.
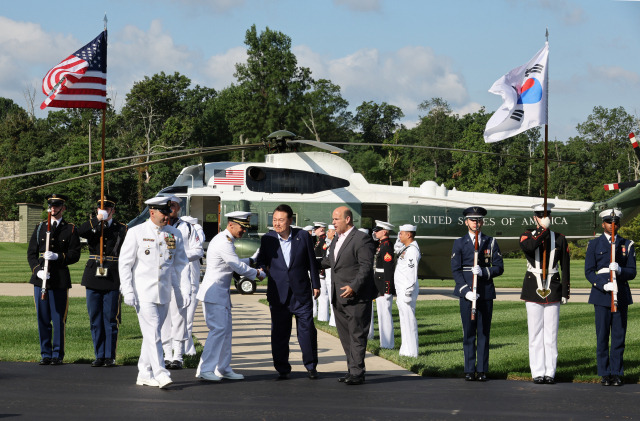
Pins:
x: 54, y: 245
x: 475, y: 261
x: 609, y: 265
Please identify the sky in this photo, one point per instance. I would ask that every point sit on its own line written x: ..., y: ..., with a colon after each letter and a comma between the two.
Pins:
x: 401, y: 52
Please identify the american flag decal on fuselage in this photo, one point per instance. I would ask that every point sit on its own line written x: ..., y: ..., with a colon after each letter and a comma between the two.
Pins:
x: 233, y: 177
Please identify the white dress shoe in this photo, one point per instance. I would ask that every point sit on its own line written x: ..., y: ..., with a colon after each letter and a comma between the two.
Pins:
x: 141, y: 381
x: 163, y: 381
x: 209, y: 376
x: 230, y: 375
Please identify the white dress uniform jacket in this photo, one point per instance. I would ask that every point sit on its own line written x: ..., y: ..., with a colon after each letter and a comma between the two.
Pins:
x: 148, y: 267
x: 222, y: 261
x: 407, y: 290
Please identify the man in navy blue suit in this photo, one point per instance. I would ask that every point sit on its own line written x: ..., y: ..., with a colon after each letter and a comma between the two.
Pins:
x: 598, y: 268
x: 287, y: 256
x: 488, y: 266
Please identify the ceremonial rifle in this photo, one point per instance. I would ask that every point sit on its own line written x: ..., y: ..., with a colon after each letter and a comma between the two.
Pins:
x: 475, y: 278
x: 43, y: 290
x: 612, y: 273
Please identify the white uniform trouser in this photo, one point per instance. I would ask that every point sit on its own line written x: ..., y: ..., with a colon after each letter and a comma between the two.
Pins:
x: 189, y: 346
x: 216, y: 355
x: 323, y: 301
x: 408, y: 323
x: 542, y: 320
x: 151, y: 316
x: 174, y: 331
x: 385, y: 320
x: 371, y: 329
x: 332, y: 317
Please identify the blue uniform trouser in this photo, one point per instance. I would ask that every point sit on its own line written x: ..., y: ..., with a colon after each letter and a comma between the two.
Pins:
x: 281, y: 323
x: 103, y: 308
x: 52, y: 317
x: 476, y: 332
x: 614, y: 325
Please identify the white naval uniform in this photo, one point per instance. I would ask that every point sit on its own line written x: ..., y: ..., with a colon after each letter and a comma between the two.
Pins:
x: 150, y: 270
x: 407, y: 289
x: 214, y: 294
x: 174, y: 329
x: 190, y: 348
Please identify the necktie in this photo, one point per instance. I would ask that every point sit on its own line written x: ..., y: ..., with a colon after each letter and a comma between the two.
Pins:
x: 54, y: 225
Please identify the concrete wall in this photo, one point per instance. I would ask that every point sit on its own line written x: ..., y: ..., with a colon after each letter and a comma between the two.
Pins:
x: 9, y: 231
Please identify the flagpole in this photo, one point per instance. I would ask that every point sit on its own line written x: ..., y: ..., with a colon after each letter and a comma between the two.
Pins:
x: 104, y: 116
x: 546, y: 168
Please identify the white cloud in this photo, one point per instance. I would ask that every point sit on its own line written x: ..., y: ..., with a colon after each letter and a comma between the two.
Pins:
x: 614, y: 74
x: 219, y: 69
x: 359, y: 5
x: 569, y: 12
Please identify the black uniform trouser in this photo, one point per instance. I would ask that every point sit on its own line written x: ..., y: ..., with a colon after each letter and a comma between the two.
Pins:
x: 476, y: 331
x: 610, y: 362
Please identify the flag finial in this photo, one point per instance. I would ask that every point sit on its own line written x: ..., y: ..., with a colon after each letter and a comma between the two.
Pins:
x: 546, y: 32
x: 105, y: 21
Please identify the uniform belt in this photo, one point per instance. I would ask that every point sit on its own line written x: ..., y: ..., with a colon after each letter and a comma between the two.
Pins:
x: 104, y: 258
x: 603, y: 270
x: 469, y: 268
x: 379, y: 270
x: 550, y: 272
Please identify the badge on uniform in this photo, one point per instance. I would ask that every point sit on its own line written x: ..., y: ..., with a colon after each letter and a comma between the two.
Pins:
x: 624, y: 251
x: 411, y: 264
x: 170, y: 240
x: 147, y: 252
x: 387, y: 257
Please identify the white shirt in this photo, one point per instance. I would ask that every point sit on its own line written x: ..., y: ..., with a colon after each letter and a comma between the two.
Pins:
x: 406, y: 273
x: 341, y: 238
x: 285, y: 245
x: 194, y: 251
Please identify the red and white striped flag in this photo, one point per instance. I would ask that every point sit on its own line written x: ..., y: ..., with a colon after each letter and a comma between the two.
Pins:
x: 234, y: 177
x: 80, y: 80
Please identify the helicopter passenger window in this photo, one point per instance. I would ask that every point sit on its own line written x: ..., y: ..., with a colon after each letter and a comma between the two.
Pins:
x: 276, y: 180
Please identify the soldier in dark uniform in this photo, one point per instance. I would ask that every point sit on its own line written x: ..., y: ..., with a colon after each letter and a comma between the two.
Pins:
x: 597, y: 269
x: 103, y: 287
x: 544, y: 294
x: 64, y: 250
x: 383, y: 277
x: 488, y: 267
x: 320, y: 249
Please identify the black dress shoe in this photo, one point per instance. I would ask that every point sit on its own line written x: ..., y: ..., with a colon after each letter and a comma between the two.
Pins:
x: 313, y: 374
x: 605, y: 381
x: 45, y: 361
x: 616, y: 381
x: 283, y: 376
x: 470, y: 377
x: 482, y: 377
x: 167, y: 364
x: 538, y: 380
x: 344, y: 378
x: 98, y: 362
x: 549, y: 380
x: 355, y: 380
x: 109, y: 362
x: 176, y: 365
x: 56, y: 361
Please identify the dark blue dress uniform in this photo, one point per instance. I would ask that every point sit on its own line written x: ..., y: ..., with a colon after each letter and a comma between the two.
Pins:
x: 490, y: 260
x: 52, y: 312
x: 103, y: 292
x: 596, y: 269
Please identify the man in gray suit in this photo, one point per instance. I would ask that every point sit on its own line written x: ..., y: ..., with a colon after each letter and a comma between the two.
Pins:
x: 350, y: 259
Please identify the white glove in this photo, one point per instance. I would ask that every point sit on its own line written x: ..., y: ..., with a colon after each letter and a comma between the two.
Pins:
x: 102, y: 215
x: 471, y: 296
x: 49, y: 255
x: 186, y: 299
x: 40, y: 274
x: 564, y: 300
x: 545, y: 222
x: 407, y: 296
x: 194, y: 289
x: 130, y: 300
x: 476, y: 270
x: 614, y: 266
x: 255, y: 255
x: 608, y: 286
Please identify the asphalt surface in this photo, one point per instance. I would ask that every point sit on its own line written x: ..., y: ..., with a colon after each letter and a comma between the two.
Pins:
x: 77, y: 391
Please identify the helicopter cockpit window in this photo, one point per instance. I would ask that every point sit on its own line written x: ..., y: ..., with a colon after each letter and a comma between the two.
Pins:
x: 276, y: 180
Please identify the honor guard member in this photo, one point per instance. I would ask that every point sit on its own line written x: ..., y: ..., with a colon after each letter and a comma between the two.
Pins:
x: 488, y: 266
x: 543, y: 294
x: 599, y: 268
x: 383, y: 277
x: 174, y: 330
x: 151, y: 262
x: 102, y: 283
x: 320, y: 249
x: 407, y: 289
x: 64, y: 250
x: 190, y: 348
x: 222, y: 261
x: 331, y: 233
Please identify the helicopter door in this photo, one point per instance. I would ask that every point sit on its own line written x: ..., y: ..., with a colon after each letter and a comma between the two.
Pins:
x: 207, y: 210
x: 371, y: 212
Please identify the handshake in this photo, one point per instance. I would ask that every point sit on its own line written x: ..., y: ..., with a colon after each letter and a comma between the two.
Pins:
x: 261, y: 274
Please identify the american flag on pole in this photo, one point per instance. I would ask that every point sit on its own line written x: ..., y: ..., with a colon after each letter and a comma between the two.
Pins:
x: 234, y: 177
x: 80, y: 80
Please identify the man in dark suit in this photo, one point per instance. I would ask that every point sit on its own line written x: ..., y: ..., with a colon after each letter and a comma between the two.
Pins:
x: 350, y: 258
x: 64, y: 250
x: 599, y: 270
x: 287, y: 256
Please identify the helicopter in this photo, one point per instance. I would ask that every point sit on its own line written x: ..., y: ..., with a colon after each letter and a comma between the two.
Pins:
x: 315, y: 183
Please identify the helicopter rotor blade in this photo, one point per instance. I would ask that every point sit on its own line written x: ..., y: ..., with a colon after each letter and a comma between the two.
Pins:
x: 219, y: 150
x: 634, y: 143
x: 449, y: 149
x: 620, y: 186
x: 319, y: 145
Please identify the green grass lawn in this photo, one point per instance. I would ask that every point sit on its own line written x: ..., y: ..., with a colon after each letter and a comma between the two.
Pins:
x: 15, y: 268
